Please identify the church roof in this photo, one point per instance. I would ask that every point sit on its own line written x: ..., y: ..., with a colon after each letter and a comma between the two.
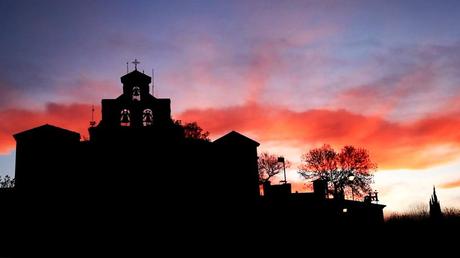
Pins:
x: 47, y: 129
x: 236, y: 138
x: 136, y: 76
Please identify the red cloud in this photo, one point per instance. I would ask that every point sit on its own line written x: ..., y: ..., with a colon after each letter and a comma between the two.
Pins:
x: 423, y: 143
x: 73, y: 117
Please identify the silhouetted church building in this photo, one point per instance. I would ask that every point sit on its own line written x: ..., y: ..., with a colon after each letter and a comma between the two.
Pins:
x: 138, y: 163
x: 137, y: 150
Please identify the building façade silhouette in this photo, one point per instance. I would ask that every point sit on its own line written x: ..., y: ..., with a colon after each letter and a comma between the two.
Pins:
x: 137, y: 165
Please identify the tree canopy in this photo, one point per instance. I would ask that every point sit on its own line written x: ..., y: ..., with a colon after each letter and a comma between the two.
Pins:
x: 350, y: 168
x: 193, y: 131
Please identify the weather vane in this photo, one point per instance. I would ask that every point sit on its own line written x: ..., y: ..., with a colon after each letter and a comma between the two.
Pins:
x: 135, y: 62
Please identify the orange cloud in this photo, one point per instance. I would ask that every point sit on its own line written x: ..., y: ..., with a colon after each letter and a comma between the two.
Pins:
x: 453, y: 184
x: 425, y: 142
x: 73, y: 117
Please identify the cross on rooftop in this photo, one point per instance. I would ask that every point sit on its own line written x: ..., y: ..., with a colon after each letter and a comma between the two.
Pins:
x: 135, y: 62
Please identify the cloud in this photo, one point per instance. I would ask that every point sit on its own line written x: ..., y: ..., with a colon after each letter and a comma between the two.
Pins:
x: 422, y: 143
x: 18, y: 82
x: 402, y: 83
x: 428, y: 141
x: 209, y: 71
x: 392, y: 93
x: 87, y: 89
x: 453, y: 184
x: 8, y: 95
x: 72, y: 116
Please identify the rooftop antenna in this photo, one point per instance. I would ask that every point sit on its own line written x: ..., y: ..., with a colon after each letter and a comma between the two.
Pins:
x: 92, y: 123
x: 153, y: 83
x: 127, y: 67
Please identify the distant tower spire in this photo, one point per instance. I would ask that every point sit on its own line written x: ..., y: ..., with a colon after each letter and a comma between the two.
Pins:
x: 135, y: 62
x: 435, y: 206
x: 127, y: 67
x: 92, y: 123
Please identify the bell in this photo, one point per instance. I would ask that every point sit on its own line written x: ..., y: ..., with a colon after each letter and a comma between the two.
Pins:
x: 136, y: 94
x: 125, y: 118
x: 148, y: 118
x: 136, y: 91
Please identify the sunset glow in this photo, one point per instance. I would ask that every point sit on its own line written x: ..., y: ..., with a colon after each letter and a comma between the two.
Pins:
x: 292, y: 75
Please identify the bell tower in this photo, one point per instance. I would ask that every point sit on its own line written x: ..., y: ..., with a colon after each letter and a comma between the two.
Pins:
x: 136, y: 84
x: 136, y: 107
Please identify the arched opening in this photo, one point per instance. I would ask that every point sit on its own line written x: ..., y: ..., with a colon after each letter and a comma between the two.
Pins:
x: 147, y: 117
x: 125, y: 119
x: 136, y: 93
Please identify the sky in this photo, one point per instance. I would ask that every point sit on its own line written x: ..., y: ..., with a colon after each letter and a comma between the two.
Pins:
x: 293, y: 75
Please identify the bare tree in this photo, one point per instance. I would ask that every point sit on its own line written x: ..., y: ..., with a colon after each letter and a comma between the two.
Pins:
x: 7, y: 182
x: 356, y: 170
x: 269, y: 166
x: 319, y: 163
x: 351, y: 168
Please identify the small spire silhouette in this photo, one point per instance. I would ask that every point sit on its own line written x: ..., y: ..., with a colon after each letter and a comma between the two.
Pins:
x: 435, y: 206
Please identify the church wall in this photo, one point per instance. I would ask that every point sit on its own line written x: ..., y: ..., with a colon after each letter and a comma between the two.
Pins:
x: 45, y: 159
